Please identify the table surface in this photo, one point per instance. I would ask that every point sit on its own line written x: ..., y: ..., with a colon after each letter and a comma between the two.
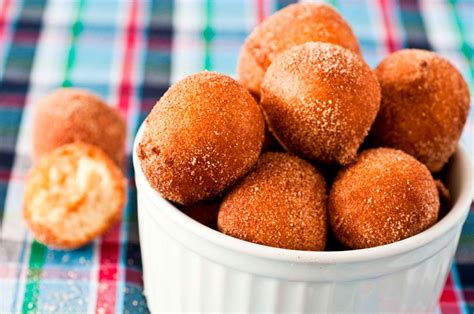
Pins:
x: 129, y: 52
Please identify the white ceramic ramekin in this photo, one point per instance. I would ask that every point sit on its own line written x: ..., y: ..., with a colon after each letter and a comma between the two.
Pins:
x: 189, y: 267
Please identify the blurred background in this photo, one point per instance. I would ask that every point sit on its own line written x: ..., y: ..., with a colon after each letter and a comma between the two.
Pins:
x: 129, y: 52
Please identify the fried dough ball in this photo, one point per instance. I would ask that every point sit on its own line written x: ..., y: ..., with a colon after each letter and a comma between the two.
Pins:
x: 281, y: 203
x: 69, y: 115
x: 289, y: 27
x: 319, y: 101
x: 72, y: 195
x: 425, y: 104
x: 203, y: 135
x: 385, y: 196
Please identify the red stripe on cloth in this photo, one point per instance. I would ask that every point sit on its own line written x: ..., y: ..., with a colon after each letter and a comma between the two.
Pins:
x: 260, y: 10
x: 108, y: 271
x: 468, y: 294
x: 448, y: 296
x: 449, y: 282
x: 110, y: 247
x: 5, y: 175
x: 3, y: 16
x: 389, y: 34
x: 449, y: 301
x: 134, y: 277
x: 12, y: 100
x: 125, y: 89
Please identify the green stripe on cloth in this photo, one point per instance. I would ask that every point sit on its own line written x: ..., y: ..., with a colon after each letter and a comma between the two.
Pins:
x: 38, y: 250
x: 208, y: 36
x: 33, y: 278
x: 76, y: 31
x: 466, y: 49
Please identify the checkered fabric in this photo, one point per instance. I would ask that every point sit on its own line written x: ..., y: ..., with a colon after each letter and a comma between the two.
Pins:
x: 128, y: 52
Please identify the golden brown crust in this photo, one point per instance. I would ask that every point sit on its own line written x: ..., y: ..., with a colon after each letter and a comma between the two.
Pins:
x: 203, y: 135
x: 291, y: 26
x: 250, y: 73
x: 281, y: 203
x: 69, y: 115
x: 384, y: 197
x: 49, y: 234
x: 425, y: 103
x: 319, y: 101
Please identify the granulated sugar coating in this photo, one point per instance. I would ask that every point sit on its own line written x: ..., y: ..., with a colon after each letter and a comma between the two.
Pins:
x: 202, y: 135
x: 425, y: 103
x: 291, y: 26
x: 69, y: 115
x: 281, y: 203
x: 384, y: 197
x: 320, y: 100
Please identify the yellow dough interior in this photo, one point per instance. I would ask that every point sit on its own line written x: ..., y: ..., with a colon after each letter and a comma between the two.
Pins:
x: 74, y: 197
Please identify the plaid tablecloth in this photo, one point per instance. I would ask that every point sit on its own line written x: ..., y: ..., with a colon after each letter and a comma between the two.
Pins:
x: 129, y: 52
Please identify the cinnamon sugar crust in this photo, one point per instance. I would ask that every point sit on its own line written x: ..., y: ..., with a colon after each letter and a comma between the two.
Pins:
x: 385, y: 196
x: 319, y: 101
x: 281, y: 203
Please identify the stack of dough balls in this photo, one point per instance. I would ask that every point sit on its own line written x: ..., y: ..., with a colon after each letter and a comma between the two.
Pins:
x: 296, y: 24
x: 201, y: 144
x: 75, y: 190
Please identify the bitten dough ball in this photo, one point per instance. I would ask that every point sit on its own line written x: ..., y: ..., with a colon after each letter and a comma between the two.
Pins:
x: 320, y: 100
x: 425, y: 104
x: 69, y: 115
x: 291, y: 26
x: 203, y: 134
x: 72, y: 195
x: 281, y: 203
x: 384, y: 197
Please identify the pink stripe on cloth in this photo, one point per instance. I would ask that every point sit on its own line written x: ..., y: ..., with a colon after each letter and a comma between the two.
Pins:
x: 260, y: 4
x: 4, y: 8
x: 110, y: 247
x: 386, y: 11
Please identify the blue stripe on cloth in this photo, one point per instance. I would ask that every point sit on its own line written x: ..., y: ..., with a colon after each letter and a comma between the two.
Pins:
x: 5, y: 48
x: 283, y: 3
x: 16, y: 78
x: 414, y: 25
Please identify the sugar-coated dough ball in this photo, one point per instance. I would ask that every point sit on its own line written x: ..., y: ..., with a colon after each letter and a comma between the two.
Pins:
x: 425, y: 104
x: 289, y: 27
x: 281, y: 203
x: 203, y: 135
x: 385, y: 196
x: 69, y: 115
x: 320, y: 100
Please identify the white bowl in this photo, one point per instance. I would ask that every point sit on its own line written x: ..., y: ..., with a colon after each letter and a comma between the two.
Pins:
x: 189, y: 267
